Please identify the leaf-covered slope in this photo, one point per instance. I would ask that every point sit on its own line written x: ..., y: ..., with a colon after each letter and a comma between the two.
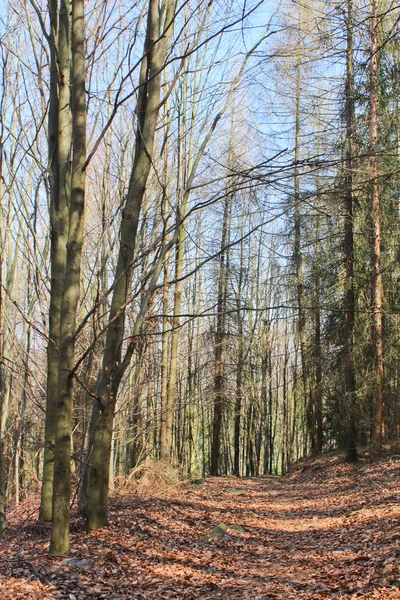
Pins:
x: 331, y: 530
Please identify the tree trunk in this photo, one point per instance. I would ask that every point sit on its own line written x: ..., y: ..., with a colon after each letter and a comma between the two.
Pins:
x: 155, y: 51
x: 149, y: 400
x: 166, y: 448
x: 165, y: 437
x: 3, y: 411
x: 239, y: 373
x: 318, y: 346
x: 239, y: 392
x: 6, y: 293
x: 59, y: 157
x: 165, y: 443
x: 59, y: 544
x: 191, y: 396
x: 3, y: 392
x: 298, y: 257
x: 349, y: 298
x: 376, y: 275
x: 219, y: 349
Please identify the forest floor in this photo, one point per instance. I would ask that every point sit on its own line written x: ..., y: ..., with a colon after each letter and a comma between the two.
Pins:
x: 326, y: 530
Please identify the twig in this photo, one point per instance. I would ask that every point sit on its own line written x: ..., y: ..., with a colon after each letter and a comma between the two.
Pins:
x: 39, y: 575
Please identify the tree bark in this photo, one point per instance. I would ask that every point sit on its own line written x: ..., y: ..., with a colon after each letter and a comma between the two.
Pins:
x: 3, y: 391
x: 166, y: 446
x: 376, y: 273
x: 59, y: 157
x: 164, y: 441
x: 318, y: 345
x: 112, y: 370
x: 219, y: 348
x: 3, y: 408
x: 59, y: 544
x: 298, y: 257
x: 349, y: 298
x: 239, y: 373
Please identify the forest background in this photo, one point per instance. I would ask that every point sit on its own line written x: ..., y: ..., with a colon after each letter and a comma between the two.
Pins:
x: 199, y: 249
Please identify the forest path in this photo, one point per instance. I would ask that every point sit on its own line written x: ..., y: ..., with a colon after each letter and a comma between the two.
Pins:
x: 329, y: 531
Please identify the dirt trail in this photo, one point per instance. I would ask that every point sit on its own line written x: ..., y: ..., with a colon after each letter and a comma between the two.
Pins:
x: 329, y: 531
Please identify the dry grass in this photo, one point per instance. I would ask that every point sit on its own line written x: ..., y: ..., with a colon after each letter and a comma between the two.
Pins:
x: 151, y: 479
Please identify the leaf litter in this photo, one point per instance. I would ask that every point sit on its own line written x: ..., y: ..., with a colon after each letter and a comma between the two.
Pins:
x: 328, y: 530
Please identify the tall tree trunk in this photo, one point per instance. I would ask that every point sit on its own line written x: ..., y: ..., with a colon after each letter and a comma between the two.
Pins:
x: 166, y: 447
x: 164, y: 441
x: 185, y: 177
x: 59, y: 544
x: 59, y: 157
x: 17, y: 452
x: 149, y: 400
x: 376, y: 275
x: 239, y: 389
x: 239, y: 373
x: 298, y: 256
x: 8, y: 267
x: 3, y: 408
x: 191, y: 394
x: 135, y: 384
x: 264, y: 393
x: 349, y: 298
x: 155, y: 52
x: 318, y: 345
x: 219, y: 347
